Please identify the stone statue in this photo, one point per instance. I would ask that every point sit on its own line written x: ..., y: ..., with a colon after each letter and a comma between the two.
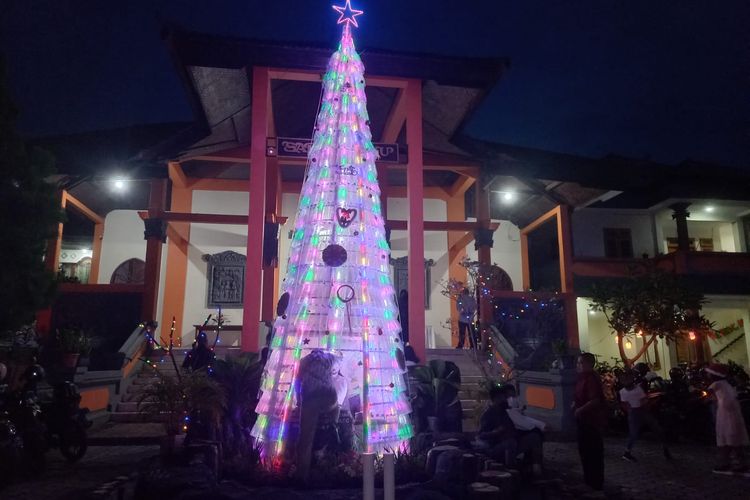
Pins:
x: 320, y: 392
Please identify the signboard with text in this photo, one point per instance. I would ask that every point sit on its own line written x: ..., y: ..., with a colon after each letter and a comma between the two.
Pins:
x: 289, y: 147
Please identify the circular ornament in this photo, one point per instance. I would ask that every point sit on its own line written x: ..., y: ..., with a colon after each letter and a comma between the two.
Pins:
x: 345, y: 293
x: 334, y: 255
x: 282, y: 304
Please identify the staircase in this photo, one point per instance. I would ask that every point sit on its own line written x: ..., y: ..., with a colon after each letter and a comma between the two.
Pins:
x: 126, y: 410
x: 727, y: 347
x: 471, y: 394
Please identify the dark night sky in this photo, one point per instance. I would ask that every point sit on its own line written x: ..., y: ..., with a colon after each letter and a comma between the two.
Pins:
x: 662, y: 79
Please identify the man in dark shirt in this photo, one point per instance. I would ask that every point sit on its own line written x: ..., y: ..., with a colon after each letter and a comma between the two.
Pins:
x: 590, y: 421
x: 497, y: 429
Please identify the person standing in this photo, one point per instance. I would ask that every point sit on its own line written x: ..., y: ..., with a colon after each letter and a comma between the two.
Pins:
x: 590, y: 417
x: 639, y: 415
x: 467, y: 308
x: 731, y: 432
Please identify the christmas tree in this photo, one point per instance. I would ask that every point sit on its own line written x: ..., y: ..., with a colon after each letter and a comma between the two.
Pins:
x: 338, y: 294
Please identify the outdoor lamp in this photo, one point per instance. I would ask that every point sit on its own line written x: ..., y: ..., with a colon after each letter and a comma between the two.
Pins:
x: 271, y: 146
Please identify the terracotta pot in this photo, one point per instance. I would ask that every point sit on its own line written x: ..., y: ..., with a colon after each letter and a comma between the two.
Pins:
x: 70, y: 359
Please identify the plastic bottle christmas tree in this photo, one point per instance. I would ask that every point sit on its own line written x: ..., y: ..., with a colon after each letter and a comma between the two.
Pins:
x: 338, y: 293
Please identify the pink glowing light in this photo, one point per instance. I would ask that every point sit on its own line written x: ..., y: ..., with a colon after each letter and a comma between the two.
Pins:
x: 347, y: 14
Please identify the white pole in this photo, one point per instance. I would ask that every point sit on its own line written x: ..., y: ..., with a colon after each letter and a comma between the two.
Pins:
x: 389, y: 481
x: 368, y: 476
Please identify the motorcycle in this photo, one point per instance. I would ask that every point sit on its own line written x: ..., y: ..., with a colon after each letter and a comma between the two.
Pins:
x: 60, y: 423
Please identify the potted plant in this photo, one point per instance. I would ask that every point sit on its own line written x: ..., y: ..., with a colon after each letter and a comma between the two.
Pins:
x: 165, y: 400
x: 171, y: 399
x: 73, y: 343
x: 565, y: 358
x: 438, y: 384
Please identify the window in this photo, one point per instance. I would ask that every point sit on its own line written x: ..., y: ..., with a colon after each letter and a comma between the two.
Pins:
x: 618, y: 243
x: 130, y: 272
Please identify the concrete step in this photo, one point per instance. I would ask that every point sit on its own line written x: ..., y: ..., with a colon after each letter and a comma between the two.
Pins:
x: 134, y: 417
x: 130, y: 397
x: 468, y: 403
x: 127, y: 434
x: 127, y: 407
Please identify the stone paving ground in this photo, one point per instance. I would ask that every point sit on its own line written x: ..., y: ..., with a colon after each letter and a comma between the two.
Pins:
x: 687, y: 477
x: 65, y: 481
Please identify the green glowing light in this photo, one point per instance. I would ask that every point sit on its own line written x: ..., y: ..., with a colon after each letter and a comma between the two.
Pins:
x: 309, y: 275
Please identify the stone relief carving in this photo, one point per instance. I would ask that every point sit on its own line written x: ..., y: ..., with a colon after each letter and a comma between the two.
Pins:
x: 226, y: 280
x: 401, y: 277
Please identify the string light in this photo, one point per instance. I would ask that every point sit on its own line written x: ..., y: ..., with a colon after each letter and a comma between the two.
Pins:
x: 339, y: 244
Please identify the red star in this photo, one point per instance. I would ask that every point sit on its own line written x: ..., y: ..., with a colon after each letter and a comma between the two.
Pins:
x: 347, y: 14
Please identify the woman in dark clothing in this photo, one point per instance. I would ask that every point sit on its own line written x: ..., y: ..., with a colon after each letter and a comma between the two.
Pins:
x: 590, y: 421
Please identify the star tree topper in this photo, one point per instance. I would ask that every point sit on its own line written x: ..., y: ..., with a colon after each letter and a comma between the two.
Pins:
x: 347, y: 15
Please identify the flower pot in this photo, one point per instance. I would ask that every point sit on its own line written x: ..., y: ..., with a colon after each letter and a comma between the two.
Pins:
x: 70, y: 359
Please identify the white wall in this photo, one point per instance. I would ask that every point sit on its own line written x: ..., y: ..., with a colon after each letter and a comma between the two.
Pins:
x: 122, y: 240
x: 723, y: 317
x: 726, y: 237
x: 596, y: 337
x: 211, y: 239
x: 436, y: 248
x: 588, y: 230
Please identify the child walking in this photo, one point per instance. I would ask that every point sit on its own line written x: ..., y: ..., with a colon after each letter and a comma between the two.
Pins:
x: 731, y: 433
x: 639, y: 416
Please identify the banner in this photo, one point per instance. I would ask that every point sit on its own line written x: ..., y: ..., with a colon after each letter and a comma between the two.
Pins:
x: 289, y: 147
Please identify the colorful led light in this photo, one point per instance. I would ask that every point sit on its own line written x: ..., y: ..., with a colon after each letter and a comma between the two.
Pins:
x: 340, y: 206
x: 347, y: 15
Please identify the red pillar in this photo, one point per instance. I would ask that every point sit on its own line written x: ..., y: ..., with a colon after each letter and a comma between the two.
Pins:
x: 256, y: 214
x: 155, y: 235
x: 52, y: 263
x: 483, y: 244
x: 565, y: 245
x: 415, y: 195
x: 271, y: 271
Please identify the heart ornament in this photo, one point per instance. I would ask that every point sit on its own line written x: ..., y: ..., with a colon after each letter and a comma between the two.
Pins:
x: 346, y: 216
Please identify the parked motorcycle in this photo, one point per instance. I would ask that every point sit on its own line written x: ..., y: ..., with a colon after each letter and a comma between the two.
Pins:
x: 59, y: 423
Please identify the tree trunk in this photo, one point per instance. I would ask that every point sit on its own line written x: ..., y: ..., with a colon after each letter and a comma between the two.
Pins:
x: 630, y: 361
x: 621, y: 348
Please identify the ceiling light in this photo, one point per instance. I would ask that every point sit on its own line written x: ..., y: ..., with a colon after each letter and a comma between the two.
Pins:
x: 508, y: 196
x: 118, y: 184
x: 709, y: 208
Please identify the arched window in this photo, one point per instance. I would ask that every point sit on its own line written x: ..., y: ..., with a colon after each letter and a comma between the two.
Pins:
x: 129, y: 272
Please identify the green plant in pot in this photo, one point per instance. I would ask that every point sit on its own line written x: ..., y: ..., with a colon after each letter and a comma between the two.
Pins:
x: 171, y: 399
x: 565, y: 358
x: 239, y: 377
x: 438, y: 384
x: 73, y: 344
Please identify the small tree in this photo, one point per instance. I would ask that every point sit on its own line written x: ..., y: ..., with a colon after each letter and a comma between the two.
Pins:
x: 29, y: 213
x: 653, y: 304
